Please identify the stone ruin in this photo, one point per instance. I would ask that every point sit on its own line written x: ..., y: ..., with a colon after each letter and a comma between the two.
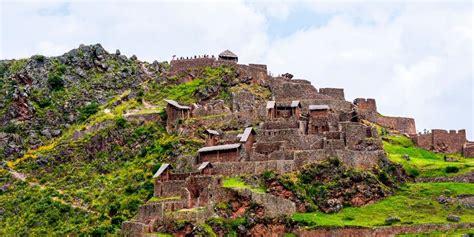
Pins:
x: 367, y: 109
x: 298, y: 126
x: 444, y: 141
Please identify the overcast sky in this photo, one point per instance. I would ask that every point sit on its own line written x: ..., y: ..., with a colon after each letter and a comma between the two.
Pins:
x: 414, y: 58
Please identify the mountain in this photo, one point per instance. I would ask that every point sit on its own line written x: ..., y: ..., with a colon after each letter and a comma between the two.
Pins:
x: 83, y: 135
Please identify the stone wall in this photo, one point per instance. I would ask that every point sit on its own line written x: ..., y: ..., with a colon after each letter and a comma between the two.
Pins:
x: 356, y: 159
x: 424, y: 141
x: 193, y: 63
x: 293, y: 90
x: 304, y: 157
x: 335, y: 105
x: 199, y: 215
x: 336, y: 93
x: 254, y: 73
x: 274, y: 206
x: 149, y: 210
x: 468, y: 149
x: 442, y: 141
x: 381, y: 231
x: 253, y: 167
x: 367, y: 109
x: 354, y: 133
x: 155, y: 117
x: 280, y: 124
x: 134, y: 229
x: 404, y: 125
x: 366, y: 105
x: 361, y: 159
x: 169, y: 188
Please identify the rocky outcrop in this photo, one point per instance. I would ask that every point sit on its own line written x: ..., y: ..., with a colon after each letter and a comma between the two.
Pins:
x: 49, y: 92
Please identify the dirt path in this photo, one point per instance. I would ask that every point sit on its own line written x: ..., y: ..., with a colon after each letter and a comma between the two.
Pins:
x: 75, y: 204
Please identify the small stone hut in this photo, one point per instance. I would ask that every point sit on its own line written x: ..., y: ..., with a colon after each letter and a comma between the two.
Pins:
x: 228, y: 55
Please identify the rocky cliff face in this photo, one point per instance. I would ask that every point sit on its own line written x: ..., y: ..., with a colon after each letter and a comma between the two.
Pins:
x: 40, y: 96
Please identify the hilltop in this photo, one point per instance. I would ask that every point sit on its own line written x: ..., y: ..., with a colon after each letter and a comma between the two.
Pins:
x: 93, y: 143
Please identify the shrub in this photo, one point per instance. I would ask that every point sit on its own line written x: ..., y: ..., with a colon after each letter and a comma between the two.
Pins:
x: 413, y: 172
x: 452, y: 169
x: 39, y: 58
x: 86, y: 111
x: 44, y: 102
x: 17, y: 65
x: 120, y: 122
x: 55, y: 81
x: 10, y: 128
x: 3, y: 69
x: 60, y: 69
x: 269, y: 174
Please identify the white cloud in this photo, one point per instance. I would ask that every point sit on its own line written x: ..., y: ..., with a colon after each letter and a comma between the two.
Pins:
x: 152, y: 30
x: 414, y: 58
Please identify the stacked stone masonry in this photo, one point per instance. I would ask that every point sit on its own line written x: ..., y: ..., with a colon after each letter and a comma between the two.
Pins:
x: 297, y: 126
x: 439, y: 140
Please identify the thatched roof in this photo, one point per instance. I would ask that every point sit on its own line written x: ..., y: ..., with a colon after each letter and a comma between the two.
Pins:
x: 227, y: 54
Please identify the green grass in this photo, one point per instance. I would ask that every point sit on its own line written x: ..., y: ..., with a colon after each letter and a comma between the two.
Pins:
x: 413, y: 204
x: 423, y: 162
x: 161, y: 199
x: 238, y: 183
x: 158, y: 235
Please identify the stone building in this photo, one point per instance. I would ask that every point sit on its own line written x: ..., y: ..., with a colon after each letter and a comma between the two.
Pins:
x: 367, y: 109
x: 318, y: 119
x: 283, y: 109
x: 227, y: 55
x: 439, y: 140
x: 212, y: 137
x: 468, y: 149
x: 220, y: 153
x: 163, y: 172
x: 299, y: 126
x: 176, y: 112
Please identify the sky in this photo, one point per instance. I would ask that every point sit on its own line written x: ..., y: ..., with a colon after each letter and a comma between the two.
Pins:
x: 414, y: 58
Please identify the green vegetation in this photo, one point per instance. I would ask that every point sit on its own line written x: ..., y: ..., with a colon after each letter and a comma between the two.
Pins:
x: 424, y: 163
x: 55, y: 78
x: 29, y: 210
x: 239, y: 183
x: 209, y: 81
x: 413, y: 204
x: 86, y: 111
x: 160, y: 199
x: 317, y: 183
x: 55, y: 81
x: 228, y: 224
x: 17, y: 65
x: 113, y: 181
